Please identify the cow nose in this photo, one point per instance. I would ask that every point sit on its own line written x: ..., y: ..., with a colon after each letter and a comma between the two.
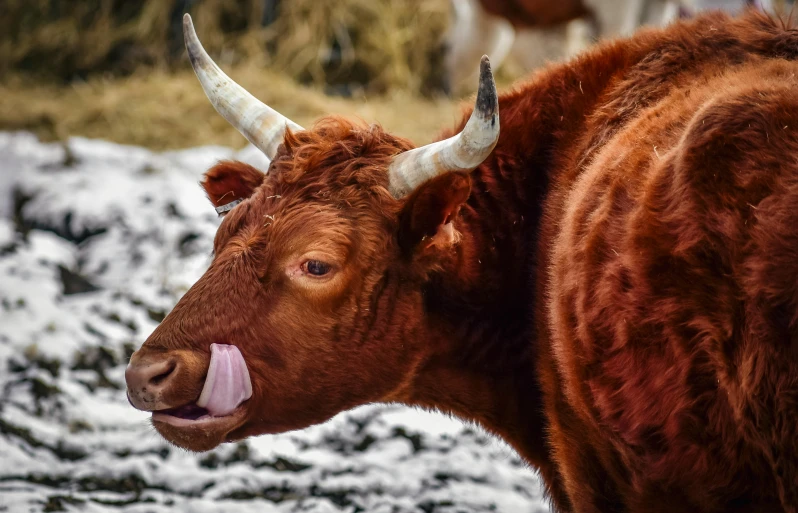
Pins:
x: 147, y: 381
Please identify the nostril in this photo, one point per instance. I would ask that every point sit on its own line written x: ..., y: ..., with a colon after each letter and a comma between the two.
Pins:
x: 140, y: 376
x: 159, y: 378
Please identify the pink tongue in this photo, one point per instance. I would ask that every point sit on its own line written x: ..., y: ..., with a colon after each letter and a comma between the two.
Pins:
x: 227, y: 384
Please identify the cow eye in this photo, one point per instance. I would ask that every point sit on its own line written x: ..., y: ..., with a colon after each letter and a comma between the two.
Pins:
x: 316, y: 267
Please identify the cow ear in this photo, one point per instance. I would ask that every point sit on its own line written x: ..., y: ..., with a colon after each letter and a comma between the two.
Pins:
x: 427, y: 219
x: 229, y: 181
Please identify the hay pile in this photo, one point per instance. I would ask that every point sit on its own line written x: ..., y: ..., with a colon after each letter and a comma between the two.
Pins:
x: 381, y: 44
x: 116, y: 69
x: 346, y: 46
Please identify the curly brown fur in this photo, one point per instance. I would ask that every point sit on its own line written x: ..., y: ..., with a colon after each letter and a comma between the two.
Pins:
x: 620, y: 304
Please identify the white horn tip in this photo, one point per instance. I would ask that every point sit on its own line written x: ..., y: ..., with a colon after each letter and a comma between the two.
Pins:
x: 193, y: 46
x: 187, y: 24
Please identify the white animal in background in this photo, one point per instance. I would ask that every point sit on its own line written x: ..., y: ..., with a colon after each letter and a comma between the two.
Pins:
x: 534, y: 31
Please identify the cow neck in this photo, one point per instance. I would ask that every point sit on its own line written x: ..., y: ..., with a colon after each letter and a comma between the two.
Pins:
x: 482, y: 367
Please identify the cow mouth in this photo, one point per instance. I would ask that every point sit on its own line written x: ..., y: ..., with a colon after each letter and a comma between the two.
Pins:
x: 191, y: 415
x: 182, y: 416
x: 186, y: 412
x: 227, y: 385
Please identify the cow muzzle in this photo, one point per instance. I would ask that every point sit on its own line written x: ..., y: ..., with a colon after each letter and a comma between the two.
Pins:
x: 149, y: 383
x: 179, y: 387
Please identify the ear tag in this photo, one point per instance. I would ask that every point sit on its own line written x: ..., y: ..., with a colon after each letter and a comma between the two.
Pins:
x: 227, y: 207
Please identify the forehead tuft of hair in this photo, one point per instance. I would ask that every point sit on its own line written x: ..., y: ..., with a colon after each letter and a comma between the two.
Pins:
x: 336, y: 153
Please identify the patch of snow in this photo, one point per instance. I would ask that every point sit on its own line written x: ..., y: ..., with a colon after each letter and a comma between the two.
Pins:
x: 110, y: 237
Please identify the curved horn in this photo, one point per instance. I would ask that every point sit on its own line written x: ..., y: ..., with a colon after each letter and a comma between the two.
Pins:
x: 260, y: 124
x: 463, y: 152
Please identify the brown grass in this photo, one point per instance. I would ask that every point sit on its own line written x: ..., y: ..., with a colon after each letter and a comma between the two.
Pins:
x: 116, y: 69
x: 163, y: 110
x: 376, y: 45
x: 381, y: 44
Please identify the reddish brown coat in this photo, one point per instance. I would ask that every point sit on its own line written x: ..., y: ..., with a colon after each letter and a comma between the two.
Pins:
x: 621, y: 303
x: 537, y: 13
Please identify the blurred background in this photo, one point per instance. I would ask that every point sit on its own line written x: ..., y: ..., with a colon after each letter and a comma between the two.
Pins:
x: 116, y: 69
x: 104, y: 135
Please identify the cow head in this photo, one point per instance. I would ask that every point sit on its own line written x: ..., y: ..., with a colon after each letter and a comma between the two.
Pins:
x: 313, y: 302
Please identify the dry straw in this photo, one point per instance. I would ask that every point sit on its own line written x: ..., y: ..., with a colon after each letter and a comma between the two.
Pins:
x: 116, y: 69
x: 345, y: 45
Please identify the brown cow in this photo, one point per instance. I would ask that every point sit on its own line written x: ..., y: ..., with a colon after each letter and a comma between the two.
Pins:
x: 537, y: 13
x: 613, y: 289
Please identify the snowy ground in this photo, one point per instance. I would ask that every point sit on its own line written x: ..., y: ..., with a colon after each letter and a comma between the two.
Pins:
x: 97, y: 243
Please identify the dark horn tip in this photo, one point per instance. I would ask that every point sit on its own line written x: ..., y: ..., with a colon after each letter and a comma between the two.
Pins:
x: 487, y: 102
